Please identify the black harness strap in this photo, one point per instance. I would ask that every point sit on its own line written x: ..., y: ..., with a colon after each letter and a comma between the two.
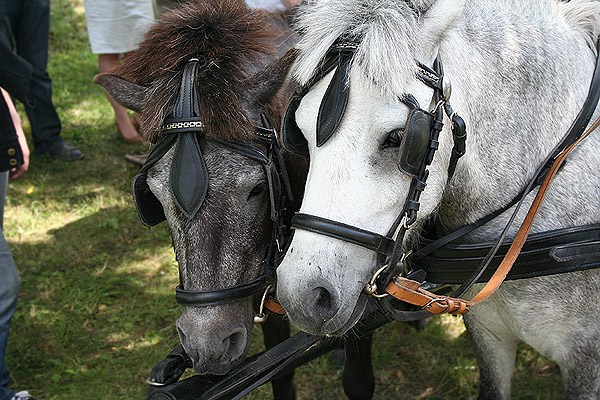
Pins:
x: 370, y: 240
x: 575, y: 131
x: 220, y: 296
x: 546, y: 253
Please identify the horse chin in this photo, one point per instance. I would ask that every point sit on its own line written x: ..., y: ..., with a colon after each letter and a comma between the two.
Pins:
x: 215, y: 345
x: 332, y: 327
x: 221, y: 363
x: 217, y: 368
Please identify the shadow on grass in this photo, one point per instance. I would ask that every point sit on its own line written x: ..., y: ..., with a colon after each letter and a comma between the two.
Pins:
x: 96, y: 304
x: 436, y: 363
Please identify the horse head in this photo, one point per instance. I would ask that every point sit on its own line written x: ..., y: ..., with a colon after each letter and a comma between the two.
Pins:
x: 349, y: 111
x: 372, y: 112
x: 208, y: 82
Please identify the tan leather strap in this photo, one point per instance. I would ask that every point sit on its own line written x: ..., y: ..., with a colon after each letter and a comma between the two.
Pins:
x: 411, y: 292
x: 273, y: 306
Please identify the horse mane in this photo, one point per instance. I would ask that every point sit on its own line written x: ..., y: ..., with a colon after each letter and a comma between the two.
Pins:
x: 231, y: 37
x: 385, y: 29
x: 583, y: 16
x: 388, y: 33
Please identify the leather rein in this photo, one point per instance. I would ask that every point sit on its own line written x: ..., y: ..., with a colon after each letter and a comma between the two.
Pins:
x: 390, y: 272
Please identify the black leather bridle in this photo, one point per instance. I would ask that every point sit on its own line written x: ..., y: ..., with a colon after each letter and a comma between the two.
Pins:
x: 391, y: 258
x: 417, y: 144
x: 275, y: 172
x: 188, y: 183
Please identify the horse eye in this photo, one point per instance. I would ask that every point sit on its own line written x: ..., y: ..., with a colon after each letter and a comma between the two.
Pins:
x: 393, y: 139
x: 257, y: 190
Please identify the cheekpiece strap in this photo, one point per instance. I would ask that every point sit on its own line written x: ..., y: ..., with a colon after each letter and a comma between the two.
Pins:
x: 429, y: 77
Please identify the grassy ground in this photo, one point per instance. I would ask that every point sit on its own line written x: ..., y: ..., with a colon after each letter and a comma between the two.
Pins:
x: 97, y: 310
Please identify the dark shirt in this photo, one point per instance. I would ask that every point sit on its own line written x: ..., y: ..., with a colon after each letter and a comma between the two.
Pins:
x: 11, y: 155
x: 15, y: 78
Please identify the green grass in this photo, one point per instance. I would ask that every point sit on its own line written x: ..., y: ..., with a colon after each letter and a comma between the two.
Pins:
x: 97, y: 310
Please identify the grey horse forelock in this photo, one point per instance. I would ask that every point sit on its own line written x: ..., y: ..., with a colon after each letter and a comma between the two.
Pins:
x: 388, y: 35
x: 386, y: 29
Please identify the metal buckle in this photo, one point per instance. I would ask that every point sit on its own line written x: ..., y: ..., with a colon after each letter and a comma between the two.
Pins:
x: 371, y: 287
x: 150, y: 382
x: 428, y: 305
x: 261, y: 316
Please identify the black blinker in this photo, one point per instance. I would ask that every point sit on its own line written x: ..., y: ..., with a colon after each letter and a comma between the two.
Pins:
x: 335, y: 100
x: 188, y: 178
x: 291, y: 136
x: 149, y: 209
x: 415, y: 142
x: 333, y: 105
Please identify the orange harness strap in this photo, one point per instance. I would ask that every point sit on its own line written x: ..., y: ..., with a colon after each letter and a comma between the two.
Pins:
x: 273, y: 306
x: 411, y: 292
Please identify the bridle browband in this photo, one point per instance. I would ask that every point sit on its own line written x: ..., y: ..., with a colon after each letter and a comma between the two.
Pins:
x: 390, y: 272
x: 188, y: 184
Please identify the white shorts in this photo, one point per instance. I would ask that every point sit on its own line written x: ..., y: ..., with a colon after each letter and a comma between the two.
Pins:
x: 117, y: 26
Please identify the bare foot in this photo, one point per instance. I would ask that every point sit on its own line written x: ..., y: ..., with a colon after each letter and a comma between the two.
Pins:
x: 135, y: 120
x: 127, y: 131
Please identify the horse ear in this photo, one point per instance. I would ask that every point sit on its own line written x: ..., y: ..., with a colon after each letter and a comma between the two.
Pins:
x: 127, y: 94
x: 266, y: 83
x: 436, y: 20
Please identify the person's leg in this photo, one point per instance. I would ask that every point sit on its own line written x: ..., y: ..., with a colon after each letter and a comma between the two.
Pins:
x: 31, y: 36
x: 107, y: 62
x: 9, y: 14
x: 9, y: 290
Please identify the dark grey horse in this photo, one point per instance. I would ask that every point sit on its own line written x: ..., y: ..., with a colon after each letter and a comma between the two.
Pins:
x: 241, y: 84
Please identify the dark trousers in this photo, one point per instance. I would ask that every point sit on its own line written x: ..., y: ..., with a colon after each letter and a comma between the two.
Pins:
x: 26, y: 24
x: 9, y: 291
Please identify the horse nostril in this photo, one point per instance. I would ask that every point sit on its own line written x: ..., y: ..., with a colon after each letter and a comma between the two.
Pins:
x: 323, y: 303
x: 233, y: 346
x: 322, y: 297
